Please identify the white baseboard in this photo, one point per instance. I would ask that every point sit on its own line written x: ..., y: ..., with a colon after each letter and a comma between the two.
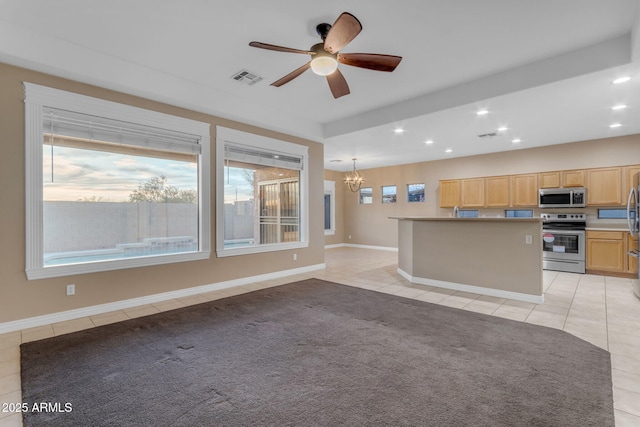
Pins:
x: 498, y: 293
x: 378, y: 248
x: 62, y: 316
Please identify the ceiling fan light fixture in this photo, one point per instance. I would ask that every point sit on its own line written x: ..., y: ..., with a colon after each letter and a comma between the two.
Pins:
x: 324, y: 65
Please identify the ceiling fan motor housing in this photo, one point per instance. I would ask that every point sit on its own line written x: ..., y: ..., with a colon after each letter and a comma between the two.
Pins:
x: 323, y: 30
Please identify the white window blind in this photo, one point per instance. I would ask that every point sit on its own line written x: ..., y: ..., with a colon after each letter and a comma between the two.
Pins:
x: 89, y: 127
x: 259, y: 156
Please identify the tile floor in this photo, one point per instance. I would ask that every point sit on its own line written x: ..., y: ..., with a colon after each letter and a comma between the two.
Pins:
x: 598, y: 309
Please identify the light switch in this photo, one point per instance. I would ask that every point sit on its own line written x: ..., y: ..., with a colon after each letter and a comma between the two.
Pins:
x: 528, y: 239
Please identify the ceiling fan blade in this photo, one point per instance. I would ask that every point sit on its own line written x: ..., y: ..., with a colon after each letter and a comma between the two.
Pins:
x: 372, y: 61
x: 345, y: 29
x: 279, y: 48
x: 292, y: 75
x: 338, y: 84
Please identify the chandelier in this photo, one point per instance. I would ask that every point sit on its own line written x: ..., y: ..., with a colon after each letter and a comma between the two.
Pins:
x: 353, y: 179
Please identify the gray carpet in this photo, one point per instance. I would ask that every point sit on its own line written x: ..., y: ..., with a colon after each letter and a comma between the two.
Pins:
x: 315, y: 353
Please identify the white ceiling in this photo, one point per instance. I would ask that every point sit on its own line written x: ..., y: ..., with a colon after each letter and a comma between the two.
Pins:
x: 542, y: 68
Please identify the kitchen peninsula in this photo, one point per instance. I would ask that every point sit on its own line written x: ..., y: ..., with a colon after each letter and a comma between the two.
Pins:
x: 500, y: 257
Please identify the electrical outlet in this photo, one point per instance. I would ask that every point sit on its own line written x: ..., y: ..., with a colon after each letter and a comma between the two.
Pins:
x: 71, y: 290
x: 349, y: 236
x: 528, y: 239
x: 295, y: 257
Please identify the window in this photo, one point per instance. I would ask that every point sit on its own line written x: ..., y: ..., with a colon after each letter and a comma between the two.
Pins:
x: 389, y: 194
x: 366, y: 195
x: 415, y: 192
x: 262, y: 194
x: 110, y: 186
x: 614, y: 213
x: 329, y: 207
x: 518, y: 213
x: 468, y: 213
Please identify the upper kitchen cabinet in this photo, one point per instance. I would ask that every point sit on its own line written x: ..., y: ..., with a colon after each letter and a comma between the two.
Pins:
x: 604, y: 187
x: 497, y: 191
x: 472, y: 193
x: 627, y: 183
x: 549, y: 179
x: 573, y: 178
x: 524, y: 190
x: 449, y: 193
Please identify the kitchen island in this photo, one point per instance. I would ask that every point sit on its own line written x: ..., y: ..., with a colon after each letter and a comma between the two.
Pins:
x: 500, y: 257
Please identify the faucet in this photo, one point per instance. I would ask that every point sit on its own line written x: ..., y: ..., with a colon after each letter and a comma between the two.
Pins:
x: 456, y: 210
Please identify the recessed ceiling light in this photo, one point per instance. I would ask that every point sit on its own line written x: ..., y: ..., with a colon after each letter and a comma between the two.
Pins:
x: 448, y: 150
x: 399, y: 130
x: 621, y: 80
x: 615, y: 125
x: 428, y: 141
x: 502, y: 129
x: 516, y: 141
x: 619, y: 107
x: 482, y: 112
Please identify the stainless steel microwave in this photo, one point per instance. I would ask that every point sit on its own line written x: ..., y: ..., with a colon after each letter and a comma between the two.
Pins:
x: 562, y: 197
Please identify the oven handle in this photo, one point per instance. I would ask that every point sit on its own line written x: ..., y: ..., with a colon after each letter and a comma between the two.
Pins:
x: 555, y: 231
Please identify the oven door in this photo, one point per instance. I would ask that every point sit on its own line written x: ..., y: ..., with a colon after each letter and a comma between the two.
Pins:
x: 563, y: 244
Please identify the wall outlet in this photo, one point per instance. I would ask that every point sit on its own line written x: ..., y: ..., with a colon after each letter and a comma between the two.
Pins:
x: 71, y: 290
x: 295, y: 257
x: 349, y: 236
x: 528, y: 239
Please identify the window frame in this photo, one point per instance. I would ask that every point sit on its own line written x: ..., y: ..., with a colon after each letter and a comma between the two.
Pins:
x: 36, y: 99
x: 330, y: 190
x: 395, y: 194
x: 235, y: 136
x: 424, y: 191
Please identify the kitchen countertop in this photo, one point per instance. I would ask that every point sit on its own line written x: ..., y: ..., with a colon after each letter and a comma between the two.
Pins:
x: 481, y: 219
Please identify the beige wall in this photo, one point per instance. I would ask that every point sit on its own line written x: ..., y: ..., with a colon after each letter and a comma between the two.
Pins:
x: 20, y: 298
x: 370, y: 224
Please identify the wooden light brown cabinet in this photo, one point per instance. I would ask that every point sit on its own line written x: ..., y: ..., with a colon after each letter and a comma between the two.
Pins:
x: 549, y: 179
x: 573, y: 178
x: 607, y: 252
x: 472, y: 193
x: 449, y: 193
x: 524, y: 190
x: 604, y: 187
x: 497, y: 191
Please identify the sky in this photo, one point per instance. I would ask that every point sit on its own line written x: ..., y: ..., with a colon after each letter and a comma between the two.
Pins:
x: 80, y: 174
x: 74, y: 174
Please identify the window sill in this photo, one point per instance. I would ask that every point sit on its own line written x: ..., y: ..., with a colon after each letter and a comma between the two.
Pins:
x: 119, y: 264
x: 221, y: 253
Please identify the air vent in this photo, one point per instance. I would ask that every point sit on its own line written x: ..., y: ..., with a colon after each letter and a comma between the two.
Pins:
x: 487, y: 135
x: 247, y: 77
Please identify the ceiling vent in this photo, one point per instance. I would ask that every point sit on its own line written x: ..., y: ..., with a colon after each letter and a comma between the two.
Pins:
x: 487, y: 135
x: 247, y: 77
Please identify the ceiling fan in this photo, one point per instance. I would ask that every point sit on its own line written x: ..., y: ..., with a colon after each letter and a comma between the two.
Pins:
x: 325, y: 56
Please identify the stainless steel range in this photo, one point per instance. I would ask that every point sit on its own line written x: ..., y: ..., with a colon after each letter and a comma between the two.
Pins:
x: 563, y: 242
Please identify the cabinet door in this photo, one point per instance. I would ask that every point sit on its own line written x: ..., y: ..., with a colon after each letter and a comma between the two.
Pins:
x: 497, y: 191
x: 472, y: 193
x: 524, y: 190
x: 573, y: 178
x: 605, y: 251
x: 549, y: 179
x: 604, y: 187
x: 628, y: 173
x: 449, y: 193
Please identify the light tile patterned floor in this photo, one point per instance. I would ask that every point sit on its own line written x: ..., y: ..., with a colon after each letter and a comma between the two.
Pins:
x: 598, y: 309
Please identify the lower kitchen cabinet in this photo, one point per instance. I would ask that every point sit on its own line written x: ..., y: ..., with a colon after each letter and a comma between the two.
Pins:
x: 607, y: 252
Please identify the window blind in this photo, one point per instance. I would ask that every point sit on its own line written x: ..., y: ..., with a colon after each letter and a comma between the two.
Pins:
x: 84, y: 126
x: 261, y: 156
